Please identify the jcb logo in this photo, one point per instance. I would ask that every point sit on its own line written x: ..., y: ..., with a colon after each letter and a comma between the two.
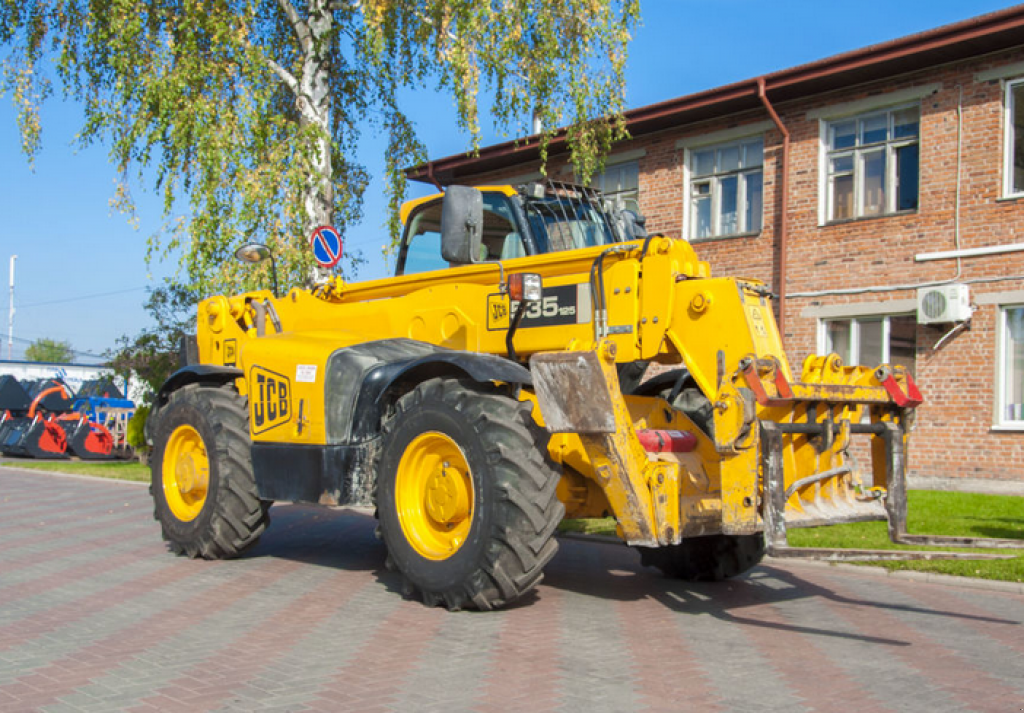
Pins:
x: 270, y: 399
x: 498, y: 311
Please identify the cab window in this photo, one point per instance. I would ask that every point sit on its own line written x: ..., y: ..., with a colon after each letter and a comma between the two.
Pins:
x: 421, y: 251
x: 567, y: 223
x: 501, y: 239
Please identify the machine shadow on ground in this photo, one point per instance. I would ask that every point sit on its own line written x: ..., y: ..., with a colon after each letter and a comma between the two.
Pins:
x: 344, y: 539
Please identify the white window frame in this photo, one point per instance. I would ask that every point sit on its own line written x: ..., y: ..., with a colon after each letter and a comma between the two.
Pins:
x: 714, y: 180
x: 1008, y: 139
x: 628, y: 196
x: 855, y: 321
x: 1000, y: 419
x: 857, y: 152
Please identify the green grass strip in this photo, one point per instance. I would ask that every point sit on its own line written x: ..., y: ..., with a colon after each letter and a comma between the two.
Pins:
x: 929, y: 513
x: 118, y: 470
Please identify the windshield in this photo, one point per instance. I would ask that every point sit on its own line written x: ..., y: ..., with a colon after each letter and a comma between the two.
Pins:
x: 567, y: 217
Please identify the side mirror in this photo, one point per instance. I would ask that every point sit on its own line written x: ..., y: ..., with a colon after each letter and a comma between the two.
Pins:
x: 462, y: 219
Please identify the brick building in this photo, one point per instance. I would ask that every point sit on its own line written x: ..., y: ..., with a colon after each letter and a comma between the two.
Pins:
x: 854, y: 186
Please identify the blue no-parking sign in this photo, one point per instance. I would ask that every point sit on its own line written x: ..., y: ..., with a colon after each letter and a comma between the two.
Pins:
x: 326, y: 244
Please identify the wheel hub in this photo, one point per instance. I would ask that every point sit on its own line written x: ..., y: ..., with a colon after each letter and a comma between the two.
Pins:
x: 446, y: 498
x: 434, y: 495
x: 186, y: 473
x: 190, y: 476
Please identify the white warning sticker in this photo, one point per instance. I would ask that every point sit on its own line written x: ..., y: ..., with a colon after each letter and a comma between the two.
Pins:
x: 305, y: 373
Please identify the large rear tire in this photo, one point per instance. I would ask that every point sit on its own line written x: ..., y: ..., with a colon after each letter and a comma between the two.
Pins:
x: 203, y: 487
x: 466, y: 496
x: 706, y: 559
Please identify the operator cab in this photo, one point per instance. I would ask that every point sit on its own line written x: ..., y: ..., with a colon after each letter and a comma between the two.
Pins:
x: 534, y: 219
x: 501, y: 236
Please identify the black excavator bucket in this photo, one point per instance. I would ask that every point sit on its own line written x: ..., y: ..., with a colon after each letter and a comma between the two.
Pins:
x: 85, y: 439
x: 36, y: 433
x: 14, y: 404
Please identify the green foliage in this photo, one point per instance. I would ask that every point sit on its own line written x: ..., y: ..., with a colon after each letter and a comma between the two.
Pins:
x: 136, y: 435
x: 50, y: 350
x: 247, y: 115
x: 153, y: 354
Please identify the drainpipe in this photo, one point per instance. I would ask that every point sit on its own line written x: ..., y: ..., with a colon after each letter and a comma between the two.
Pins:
x: 783, y: 223
x: 430, y: 176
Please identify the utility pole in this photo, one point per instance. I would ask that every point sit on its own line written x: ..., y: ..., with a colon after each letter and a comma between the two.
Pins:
x: 10, y: 313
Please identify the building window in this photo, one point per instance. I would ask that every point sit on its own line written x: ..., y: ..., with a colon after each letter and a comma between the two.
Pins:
x: 1014, y: 160
x: 872, y: 164
x: 1010, y: 397
x: 726, y: 189
x: 870, y: 341
x: 621, y: 181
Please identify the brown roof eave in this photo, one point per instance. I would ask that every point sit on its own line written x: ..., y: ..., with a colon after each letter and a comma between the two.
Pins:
x: 974, y: 37
x: 737, y: 97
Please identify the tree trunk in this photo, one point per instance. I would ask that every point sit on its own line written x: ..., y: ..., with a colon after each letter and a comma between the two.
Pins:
x: 314, y: 104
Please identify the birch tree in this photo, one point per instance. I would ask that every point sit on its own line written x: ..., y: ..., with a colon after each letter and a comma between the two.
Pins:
x: 245, y: 115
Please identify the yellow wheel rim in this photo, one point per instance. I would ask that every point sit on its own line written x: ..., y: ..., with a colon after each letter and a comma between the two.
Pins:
x: 186, y: 473
x: 434, y: 495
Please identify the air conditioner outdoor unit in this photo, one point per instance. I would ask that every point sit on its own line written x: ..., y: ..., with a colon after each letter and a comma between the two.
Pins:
x: 946, y: 303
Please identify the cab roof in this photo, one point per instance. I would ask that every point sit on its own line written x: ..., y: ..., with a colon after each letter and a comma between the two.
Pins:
x: 409, y: 206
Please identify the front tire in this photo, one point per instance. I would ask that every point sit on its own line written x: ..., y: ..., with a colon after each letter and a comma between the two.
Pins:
x: 466, y: 496
x: 203, y: 487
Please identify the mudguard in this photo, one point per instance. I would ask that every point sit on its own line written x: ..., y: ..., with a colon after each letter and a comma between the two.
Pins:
x: 361, y: 381
x: 192, y: 374
x: 360, y: 378
x: 195, y: 373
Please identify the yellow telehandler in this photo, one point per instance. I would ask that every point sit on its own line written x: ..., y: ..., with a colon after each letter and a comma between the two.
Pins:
x: 494, y: 386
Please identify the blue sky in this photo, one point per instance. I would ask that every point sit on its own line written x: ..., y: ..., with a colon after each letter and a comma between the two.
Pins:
x: 81, y: 274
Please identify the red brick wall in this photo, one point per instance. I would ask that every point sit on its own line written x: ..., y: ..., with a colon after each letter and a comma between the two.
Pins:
x: 953, y: 433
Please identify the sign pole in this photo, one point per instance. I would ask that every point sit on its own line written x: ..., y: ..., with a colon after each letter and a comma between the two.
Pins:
x: 10, y: 313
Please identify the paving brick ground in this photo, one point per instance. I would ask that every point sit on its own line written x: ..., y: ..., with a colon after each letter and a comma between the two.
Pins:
x: 96, y: 615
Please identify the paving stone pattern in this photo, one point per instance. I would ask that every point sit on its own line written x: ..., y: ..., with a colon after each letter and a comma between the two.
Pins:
x: 97, y: 615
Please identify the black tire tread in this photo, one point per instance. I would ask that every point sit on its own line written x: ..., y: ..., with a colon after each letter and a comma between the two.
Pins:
x: 706, y: 559
x: 238, y: 517
x: 521, y: 541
